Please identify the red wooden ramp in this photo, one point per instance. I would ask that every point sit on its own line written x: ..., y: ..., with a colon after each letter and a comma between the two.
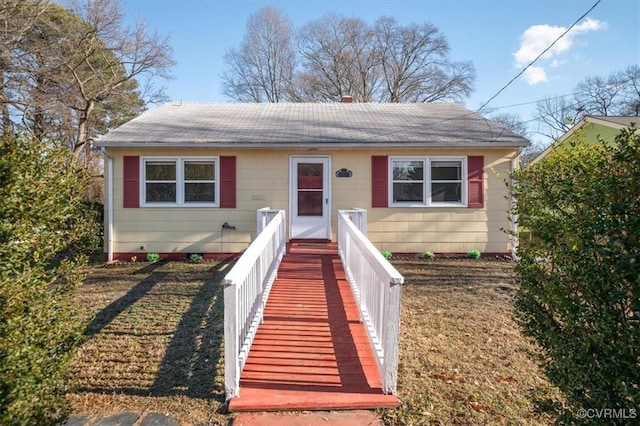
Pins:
x: 311, y: 352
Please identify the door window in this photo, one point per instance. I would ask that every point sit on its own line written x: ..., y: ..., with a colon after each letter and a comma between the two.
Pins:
x: 310, y: 176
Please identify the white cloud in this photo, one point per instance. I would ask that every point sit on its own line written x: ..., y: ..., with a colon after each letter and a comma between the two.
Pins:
x: 538, y: 37
x: 535, y: 75
x: 557, y: 62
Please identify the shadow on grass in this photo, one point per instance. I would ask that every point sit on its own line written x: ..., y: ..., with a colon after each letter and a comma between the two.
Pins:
x: 193, y: 356
x: 451, y: 274
x: 191, y: 360
x: 117, y: 307
x: 545, y: 404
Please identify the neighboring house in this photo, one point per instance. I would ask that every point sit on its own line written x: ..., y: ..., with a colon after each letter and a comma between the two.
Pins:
x: 429, y: 175
x: 591, y: 127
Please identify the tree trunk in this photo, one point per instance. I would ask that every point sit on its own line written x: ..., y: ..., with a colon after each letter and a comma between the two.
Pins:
x: 4, y: 107
x: 81, y: 136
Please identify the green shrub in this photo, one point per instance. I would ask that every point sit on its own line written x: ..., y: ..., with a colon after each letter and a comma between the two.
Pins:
x: 153, y: 257
x: 474, y: 254
x: 46, y: 232
x: 428, y: 255
x: 386, y: 254
x: 196, y: 257
x: 579, y: 295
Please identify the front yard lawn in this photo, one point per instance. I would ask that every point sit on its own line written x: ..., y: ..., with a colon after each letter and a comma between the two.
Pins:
x: 154, y: 344
x: 463, y: 360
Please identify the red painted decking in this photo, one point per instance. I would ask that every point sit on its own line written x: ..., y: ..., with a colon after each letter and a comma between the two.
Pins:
x: 311, y: 352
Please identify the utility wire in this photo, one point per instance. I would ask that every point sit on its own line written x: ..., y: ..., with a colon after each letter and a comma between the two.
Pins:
x: 530, y: 102
x: 538, y: 57
x: 478, y: 111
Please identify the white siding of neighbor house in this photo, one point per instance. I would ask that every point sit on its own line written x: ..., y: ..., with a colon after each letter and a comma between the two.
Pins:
x: 262, y: 179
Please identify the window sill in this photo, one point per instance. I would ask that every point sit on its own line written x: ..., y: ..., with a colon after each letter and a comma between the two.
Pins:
x: 438, y: 205
x: 179, y: 206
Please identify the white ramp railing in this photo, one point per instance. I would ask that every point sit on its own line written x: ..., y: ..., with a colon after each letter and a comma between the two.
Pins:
x: 263, y: 217
x: 246, y: 289
x: 359, y: 218
x: 377, y: 287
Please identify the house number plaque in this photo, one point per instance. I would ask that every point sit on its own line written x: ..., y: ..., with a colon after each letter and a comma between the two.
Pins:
x: 344, y: 173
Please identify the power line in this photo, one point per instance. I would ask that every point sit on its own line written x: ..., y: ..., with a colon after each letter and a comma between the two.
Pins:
x: 530, y: 102
x: 538, y: 57
x: 478, y: 111
x: 546, y: 98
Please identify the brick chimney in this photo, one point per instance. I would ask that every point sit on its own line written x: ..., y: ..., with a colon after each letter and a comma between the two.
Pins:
x: 346, y: 99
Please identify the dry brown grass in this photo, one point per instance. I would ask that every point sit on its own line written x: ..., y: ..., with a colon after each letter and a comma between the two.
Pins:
x: 155, y: 344
x: 463, y: 360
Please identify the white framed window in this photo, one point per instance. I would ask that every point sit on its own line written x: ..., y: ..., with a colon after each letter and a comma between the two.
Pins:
x: 408, y: 181
x: 428, y: 182
x: 446, y: 181
x: 179, y: 181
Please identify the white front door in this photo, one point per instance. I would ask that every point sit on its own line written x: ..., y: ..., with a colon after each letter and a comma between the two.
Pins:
x: 309, y: 197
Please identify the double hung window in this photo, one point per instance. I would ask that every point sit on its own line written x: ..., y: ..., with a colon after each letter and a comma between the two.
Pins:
x: 428, y: 181
x: 185, y: 181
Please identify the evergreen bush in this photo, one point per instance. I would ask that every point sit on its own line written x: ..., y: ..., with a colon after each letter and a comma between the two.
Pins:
x: 46, y: 233
x: 579, y: 295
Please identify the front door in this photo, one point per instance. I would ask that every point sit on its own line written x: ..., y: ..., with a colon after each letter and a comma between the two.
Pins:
x: 310, y: 204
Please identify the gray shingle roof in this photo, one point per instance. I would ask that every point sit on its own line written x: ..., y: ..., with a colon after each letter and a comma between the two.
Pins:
x: 310, y: 124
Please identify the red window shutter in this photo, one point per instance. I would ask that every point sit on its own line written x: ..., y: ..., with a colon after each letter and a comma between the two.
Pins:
x: 228, y: 182
x: 131, y: 187
x: 475, y: 172
x: 379, y: 181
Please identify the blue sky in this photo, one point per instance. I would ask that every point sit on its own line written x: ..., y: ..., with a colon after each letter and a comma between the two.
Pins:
x: 500, y: 37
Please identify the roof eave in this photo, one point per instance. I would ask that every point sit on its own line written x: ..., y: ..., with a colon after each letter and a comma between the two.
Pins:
x: 606, y: 121
x: 586, y: 120
x: 319, y: 145
x: 575, y: 129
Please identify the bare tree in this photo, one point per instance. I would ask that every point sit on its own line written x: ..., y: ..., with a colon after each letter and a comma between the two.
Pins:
x: 630, y: 93
x: 416, y: 66
x: 556, y: 115
x: 598, y: 95
x: 76, y: 72
x: 617, y: 94
x: 339, y: 58
x: 512, y: 122
x: 262, y: 68
x: 108, y: 61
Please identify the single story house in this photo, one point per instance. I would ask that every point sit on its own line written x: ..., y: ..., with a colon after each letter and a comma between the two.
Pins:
x: 189, y: 177
x: 591, y: 127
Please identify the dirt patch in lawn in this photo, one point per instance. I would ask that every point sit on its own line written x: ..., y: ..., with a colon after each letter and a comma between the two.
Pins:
x: 153, y: 343
x: 462, y: 357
